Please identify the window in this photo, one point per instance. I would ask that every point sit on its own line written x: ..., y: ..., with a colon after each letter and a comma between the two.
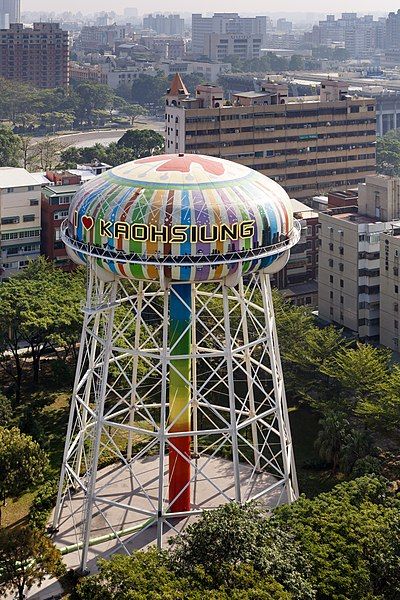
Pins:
x: 331, y: 311
x: 373, y: 238
x: 396, y: 324
x: 10, y: 220
x: 341, y: 283
x: 331, y: 295
x: 330, y: 278
x: 341, y: 300
x: 9, y: 236
x: 341, y: 267
x: 30, y: 188
x: 396, y: 289
x: 9, y: 190
x: 341, y: 250
x: 331, y: 247
x: 396, y: 307
x: 330, y: 262
x: 61, y: 214
x: 29, y: 218
x: 33, y: 202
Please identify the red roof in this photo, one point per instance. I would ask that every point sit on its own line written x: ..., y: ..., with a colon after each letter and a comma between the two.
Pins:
x: 178, y: 88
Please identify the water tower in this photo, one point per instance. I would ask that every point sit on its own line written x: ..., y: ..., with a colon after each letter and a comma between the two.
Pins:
x: 179, y: 401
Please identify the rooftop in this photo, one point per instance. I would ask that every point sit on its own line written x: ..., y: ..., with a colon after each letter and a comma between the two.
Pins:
x: 60, y: 190
x: 11, y: 177
x: 350, y: 214
x: 303, y: 209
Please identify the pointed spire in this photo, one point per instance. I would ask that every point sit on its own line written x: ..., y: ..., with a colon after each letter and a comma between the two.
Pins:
x: 178, y: 88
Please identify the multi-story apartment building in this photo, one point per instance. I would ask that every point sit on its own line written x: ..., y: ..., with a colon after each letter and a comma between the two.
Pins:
x: 223, y: 24
x: 309, y: 145
x: 298, y: 279
x: 10, y: 12
x: 350, y: 269
x: 20, y: 221
x: 38, y: 55
x: 98, y: 38
x: 220, y: 46
x: 210, y: 71
x: 165, y: 24
x: 87, y: 73
x: 389, y: 330
x: 359, y: 35
x: 55, y: 202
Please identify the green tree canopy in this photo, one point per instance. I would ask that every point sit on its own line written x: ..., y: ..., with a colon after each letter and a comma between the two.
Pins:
x: 143, y: 142
x: 10, y: 148
x: 229, y: 536
x: 22, y: 462
x: 148, y: 575
x: 150, y: 91
x: 388, y: 154
x: 27, y: 556
x: 40, y: 307
x: 352, y: 537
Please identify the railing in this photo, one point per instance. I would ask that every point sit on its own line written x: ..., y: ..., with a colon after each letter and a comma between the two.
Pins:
x: 182, y: 260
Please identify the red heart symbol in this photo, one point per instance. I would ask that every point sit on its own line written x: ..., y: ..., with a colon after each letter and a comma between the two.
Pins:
x: 87, y: 222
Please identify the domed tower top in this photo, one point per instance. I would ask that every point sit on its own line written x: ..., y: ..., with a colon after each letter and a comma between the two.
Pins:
x: 182, y: 217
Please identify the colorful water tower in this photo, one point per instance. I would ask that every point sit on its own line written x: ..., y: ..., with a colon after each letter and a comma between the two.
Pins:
x: 179, y: 401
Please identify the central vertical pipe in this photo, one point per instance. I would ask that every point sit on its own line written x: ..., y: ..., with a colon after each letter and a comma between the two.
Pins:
x: 180, y: 343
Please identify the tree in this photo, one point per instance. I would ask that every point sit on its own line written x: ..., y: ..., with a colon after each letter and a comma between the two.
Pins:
x: 150, y: 91
x: 91, y: 97
x: 149, y: 575
x: 351, y: 536
x: 40, y: 307
x: 27, y: 556
x: 232, y: 535
x: 47, y: 152
x: 331, y: 437
x: 296, y: 63
x: 10, y: 148
x: 22, y: 462
x: 388, y: 154
x: 144, y: 142
x: 361, y: 371
x: 355, y: 447
x: 5, y: 410
x: 134, y: 110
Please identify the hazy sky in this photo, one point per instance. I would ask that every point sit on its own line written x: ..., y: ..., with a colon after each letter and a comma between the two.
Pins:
x: 321, y: 6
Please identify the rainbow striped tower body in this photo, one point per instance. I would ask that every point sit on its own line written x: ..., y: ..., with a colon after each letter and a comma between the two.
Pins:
x: 180, y: 396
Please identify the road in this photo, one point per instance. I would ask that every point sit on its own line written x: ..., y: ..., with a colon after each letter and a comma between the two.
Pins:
x: 105, y: 137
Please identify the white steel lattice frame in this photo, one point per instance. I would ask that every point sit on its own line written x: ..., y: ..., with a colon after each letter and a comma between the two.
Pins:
x: 237, y: 399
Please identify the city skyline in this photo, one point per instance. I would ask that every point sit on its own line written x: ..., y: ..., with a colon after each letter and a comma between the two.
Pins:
x: 253, y: 6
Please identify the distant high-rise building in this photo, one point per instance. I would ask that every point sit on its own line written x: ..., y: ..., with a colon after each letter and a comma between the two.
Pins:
x: 222, y: 24
x: 99, y: 38
x: 38, y: 55
x: 130, y: 12
x: 284, y: 26
x: 359, y: 35
x: 10, y: 12
x: 165, y: 24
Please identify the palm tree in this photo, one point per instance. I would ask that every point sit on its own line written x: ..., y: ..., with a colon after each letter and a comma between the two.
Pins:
x: 331, y: 436
x: 357, y: 445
